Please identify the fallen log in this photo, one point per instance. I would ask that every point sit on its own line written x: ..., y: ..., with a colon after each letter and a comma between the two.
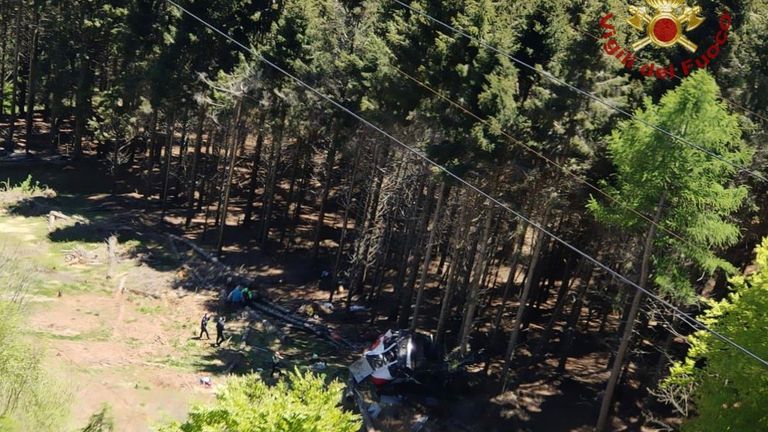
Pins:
x: 60, y: 215
x: 213, y: 260
x: 200, y: 251
x: 302, y: 324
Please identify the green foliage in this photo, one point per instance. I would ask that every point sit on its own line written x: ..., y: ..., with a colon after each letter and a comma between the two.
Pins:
x: 730, y: 390
x: 29, y: 399
x: 483, y: 81
x: 26, y: 187
x: 113, y: 123
x: 699, y: 198
x: 7, y: 87
x: 301, y: 402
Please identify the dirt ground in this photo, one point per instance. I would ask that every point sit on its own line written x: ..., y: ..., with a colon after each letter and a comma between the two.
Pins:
x: 110, y: 346
x: 126, y: 351
x: 131, y: 341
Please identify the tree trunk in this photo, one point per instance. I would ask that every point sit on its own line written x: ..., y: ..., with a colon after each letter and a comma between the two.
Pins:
x: 512, y: 345
x: 271, y: 184
x: 456, y: 261
x: 32, y: 78
x: 9, y: 144
x: 565, y: 286
x: 3, y: 49
x: 406, y: 296
x: 168, y: 159
x: 223, y: 160
x: 230, y: 175
x: 306, y: 173
x: 286, y: 218
x: 406, y: 261
x: 195, y: 161
x: 330, y: 163
x: 369, y: 218
x: 82, y: 98
x: 573, y: 321
x: 181, y: 167
x: 516, y: 252
x: 254, y: 181
x: 605, y: 408
x: 150, y: 160
x: 428, y: 256
x: 478, y: 269
x: 345, y: 218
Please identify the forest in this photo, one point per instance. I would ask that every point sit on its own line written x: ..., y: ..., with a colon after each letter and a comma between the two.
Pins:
x: 584, y: 240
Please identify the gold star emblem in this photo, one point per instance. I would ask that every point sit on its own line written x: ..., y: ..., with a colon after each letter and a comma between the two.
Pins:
x: 665, y: 28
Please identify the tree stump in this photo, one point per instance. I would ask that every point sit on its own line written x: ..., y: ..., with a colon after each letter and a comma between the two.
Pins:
x: 111, y: 255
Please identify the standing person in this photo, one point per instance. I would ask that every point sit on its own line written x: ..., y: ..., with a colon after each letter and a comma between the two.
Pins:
x: 204, y: 326
x: 327, y: 284
x: 219, y: 331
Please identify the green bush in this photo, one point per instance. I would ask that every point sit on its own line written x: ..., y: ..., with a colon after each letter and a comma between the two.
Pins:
x: 727, y: 390
x: 26, y: 187
x: 29, y: 399
x: 301, y: 402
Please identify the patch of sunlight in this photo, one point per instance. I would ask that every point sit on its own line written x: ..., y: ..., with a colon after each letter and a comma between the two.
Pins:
x: 15, y: 226
x: 29, y: 237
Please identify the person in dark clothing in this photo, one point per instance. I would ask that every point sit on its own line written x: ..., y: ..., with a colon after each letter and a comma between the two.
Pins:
x: 204, y: 326
x: 327, y: 284
x: 219, y: 331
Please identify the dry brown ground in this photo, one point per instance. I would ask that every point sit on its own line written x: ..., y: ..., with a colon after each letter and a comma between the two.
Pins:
x: 131, y: 352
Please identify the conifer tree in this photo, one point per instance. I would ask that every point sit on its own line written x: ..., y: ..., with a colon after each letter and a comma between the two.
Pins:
x: 687, y: 191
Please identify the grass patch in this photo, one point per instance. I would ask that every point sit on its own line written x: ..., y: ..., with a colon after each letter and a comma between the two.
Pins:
x: 150, y: 309
x: 26, y: 239
x: 28, y: 186
x: 133, y: 342
x: 101, y: 334
x: 182, y: 362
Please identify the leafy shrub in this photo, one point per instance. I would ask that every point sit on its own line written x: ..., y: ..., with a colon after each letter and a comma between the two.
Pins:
x: 301, y: 402
x: 28, y: 187
x: 727, y: 390
x: 29, y: 399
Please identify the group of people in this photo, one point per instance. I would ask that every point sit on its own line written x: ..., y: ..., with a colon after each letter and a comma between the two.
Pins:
x: 276, y: 356
x: 241, y: 296
x: 219, y: 328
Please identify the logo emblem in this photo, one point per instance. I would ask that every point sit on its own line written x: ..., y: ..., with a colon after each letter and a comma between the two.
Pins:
x: 665, y: 28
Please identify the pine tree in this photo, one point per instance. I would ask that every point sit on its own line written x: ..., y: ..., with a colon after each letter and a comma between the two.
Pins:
x: 687, y: 191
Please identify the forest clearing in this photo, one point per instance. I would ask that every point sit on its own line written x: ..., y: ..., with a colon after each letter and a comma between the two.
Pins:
x: 131, y: 341
x: 390, y: 215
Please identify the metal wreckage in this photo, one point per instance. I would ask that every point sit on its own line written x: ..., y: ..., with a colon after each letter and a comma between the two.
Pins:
x: 396, y: 357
